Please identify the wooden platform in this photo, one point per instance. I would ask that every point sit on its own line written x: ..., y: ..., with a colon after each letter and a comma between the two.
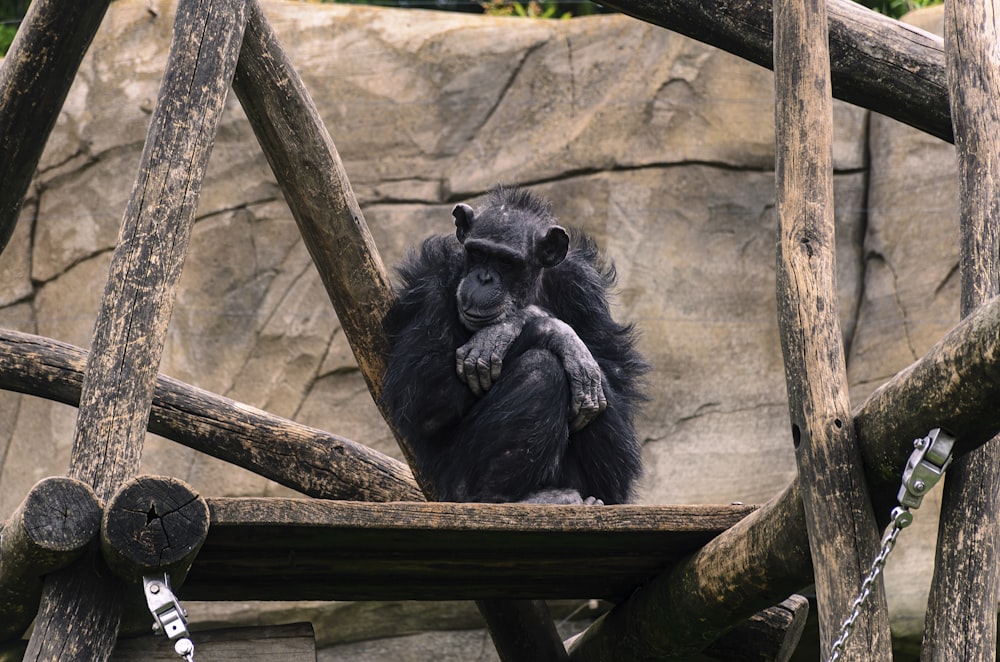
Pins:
x: 309, y: 549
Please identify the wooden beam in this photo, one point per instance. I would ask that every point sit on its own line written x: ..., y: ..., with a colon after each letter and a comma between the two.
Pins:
x: 876, y: 62
x: 841, y: 527
x: 311, y: 461
x: 967, y: 565
x: 35, y: 77
x: 771, y: 635
x: 153, y: 525
x: 312, y: 178
x: 298, y: 549
x: 765, y: 557
x: 81, y: 611
x: 51, y: 528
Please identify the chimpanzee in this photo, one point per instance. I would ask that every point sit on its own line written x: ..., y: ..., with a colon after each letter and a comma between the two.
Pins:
x: 507, y: 373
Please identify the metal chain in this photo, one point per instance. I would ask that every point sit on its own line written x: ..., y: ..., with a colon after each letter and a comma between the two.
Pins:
x: 924, y: 468
x: 901, y: 519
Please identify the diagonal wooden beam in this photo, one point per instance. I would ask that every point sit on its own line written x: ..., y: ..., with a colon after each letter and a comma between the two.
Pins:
x: 308, y: 169
x: 82, y: 605
x: 876, y: 62
x: 35, y: 77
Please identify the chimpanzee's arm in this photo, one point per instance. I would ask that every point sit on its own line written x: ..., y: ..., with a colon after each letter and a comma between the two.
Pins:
x: 479, y: 362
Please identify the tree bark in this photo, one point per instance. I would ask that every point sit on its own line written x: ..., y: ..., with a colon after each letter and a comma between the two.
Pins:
x: 961, y: 621
x: 35, y: 77
x: 841, y: 526
x: 128, y: 340
x: 876, y: 62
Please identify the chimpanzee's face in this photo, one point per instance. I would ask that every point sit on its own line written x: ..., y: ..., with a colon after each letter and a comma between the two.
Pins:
x: 505, y: 252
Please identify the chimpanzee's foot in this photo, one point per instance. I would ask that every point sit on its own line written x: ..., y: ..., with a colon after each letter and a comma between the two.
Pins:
x: 562, y: 497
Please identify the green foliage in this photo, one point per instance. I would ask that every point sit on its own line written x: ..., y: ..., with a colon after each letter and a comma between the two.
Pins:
x: 11, y: 12
x: 896, y: 8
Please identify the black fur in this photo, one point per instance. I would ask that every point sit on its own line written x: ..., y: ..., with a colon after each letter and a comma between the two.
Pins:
x: 514, y: 441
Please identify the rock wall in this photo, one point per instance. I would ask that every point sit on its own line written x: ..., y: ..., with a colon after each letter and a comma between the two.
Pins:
x: 660, y: 146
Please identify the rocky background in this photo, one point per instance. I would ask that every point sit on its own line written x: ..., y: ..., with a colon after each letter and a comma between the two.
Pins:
x: 658, y: 145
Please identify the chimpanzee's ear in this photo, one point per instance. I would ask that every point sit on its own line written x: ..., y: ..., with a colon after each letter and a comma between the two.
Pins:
x: 552, y: 248
x: 463, y: 220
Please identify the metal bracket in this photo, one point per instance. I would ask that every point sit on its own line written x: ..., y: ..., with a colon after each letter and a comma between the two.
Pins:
x: 164, y: 606
x: 930, y: 457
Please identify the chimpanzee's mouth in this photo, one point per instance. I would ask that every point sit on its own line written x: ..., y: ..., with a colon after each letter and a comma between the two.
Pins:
x: 478, y: 320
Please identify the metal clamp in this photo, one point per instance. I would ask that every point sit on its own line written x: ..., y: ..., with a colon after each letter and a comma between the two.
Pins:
x: 168, y: 613
x: 930, y: 457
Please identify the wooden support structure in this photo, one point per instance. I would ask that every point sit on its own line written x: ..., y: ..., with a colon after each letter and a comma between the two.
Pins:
x: 876, y: 62
x: 961, y: 622
x: 35, y: 77
x: 314, y: 462
x: 51, y: 528
x: 768, y: 636
x: 839, y: 518
x: 766, y: 555
x: 128, y: 340
x: 287, y: 643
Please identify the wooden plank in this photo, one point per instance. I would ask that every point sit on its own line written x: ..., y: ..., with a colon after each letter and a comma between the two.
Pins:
x: 285, y: 549
x: 81, y: 609
x: 843, y: 537
x: 35, y: 77
x: 312, y: 461
x: 967, y: 566
x: 277, y: 643
x: 876, y: 62
x: 768, y: 636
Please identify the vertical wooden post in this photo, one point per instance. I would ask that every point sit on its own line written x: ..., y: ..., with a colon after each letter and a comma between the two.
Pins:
x: 843, y: 538
x: 312, y: 177
x: 961, y: 617
x: 81, y: 606
x: 35, y: 77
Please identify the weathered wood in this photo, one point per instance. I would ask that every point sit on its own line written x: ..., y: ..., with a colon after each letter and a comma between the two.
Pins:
x: 768, y: 636
x: 876, y: 62
x: 35, y: 77
x: 311, y: 461
x: 312, y: 178
x: 509, y: 621
x: 51, y: 528
x: 967, y: 565
x: 138, y: 298
x: 330, y: 550
x: 308, y: 169
x: 841, y: 526
x: 153, y: 525
x: 765, y: 556
x: 280, y: 643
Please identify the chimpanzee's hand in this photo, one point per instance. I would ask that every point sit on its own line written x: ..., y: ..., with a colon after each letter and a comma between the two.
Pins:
x: 479, y: 361
x: 584, y: 374
x: 587, y: 392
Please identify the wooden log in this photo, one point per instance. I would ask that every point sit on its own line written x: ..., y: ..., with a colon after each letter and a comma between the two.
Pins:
x: 509, y: 620
x: 766, y: 556
x: 287, y: 643
x: 843, y: 537
x: 967, y: 565
x: 128, y: 339
x: 309, y: 170
x: 312, y: 178
x: 35, y: 77
x: 876, y: 62
x: 768, y: 636
x: 153, y: 525
x: 273, y: 548
x: 311, y: 461
x: 51, y: 528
